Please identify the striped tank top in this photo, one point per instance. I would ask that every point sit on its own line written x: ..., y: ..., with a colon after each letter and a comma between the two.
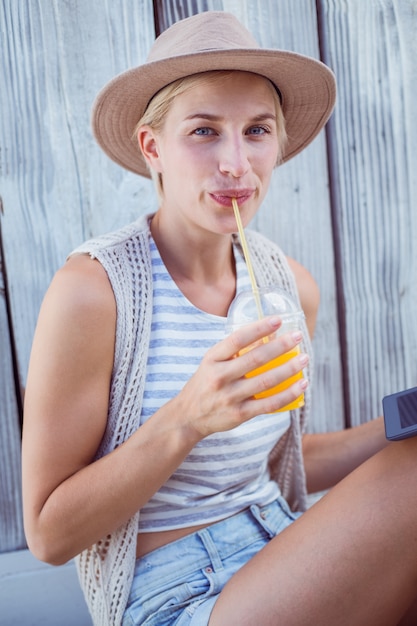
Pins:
x: 225, y: 472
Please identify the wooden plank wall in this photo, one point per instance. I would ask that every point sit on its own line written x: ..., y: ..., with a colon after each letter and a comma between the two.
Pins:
x: 11, y: 526
x: 373, y: 147
x: 344, y: 207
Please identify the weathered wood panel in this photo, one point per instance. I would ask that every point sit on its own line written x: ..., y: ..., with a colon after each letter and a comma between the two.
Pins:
x: 58, y: 187
x: 170, y: 11
x: 11, y: 526
x: 373, y: 50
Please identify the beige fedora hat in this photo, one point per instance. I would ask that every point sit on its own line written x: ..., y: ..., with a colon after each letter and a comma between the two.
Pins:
x: 212, y: 40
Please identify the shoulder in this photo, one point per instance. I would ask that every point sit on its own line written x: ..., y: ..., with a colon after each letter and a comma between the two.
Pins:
x: 308, y: 291
x: 81, y: 293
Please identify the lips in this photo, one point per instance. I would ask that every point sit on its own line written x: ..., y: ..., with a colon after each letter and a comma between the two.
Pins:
x: 224, y: 196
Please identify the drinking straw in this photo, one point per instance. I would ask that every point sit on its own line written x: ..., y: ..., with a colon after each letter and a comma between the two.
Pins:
x: 246, y: 254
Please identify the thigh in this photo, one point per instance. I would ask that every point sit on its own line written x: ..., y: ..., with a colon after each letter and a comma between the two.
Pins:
x: 350, y: 559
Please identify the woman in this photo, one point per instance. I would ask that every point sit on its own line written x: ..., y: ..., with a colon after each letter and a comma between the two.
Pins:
x: 145, y: 452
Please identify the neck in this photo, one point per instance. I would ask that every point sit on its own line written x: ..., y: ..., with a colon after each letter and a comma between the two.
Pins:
x: 202, y: 268
x: 192, y: 255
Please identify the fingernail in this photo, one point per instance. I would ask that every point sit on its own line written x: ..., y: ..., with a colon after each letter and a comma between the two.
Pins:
x: 297, y: 335
x: 304, y: 359
x: 274, y: 320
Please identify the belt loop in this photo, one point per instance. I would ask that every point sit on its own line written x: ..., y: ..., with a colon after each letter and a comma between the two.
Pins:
x: 210, y: 546
x: 261, y: 518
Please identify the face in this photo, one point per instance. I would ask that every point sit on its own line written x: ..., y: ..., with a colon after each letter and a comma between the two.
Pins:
x: 219, y: 141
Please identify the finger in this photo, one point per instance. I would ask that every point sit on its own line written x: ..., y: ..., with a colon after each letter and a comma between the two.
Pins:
x: 259, y: 406
x: 272, y: 350
x: 244, y: 336
x: 262, y: 380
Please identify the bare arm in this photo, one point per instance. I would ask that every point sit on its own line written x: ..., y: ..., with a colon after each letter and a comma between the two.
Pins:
x: 71, y: 501
x: 329, y: 457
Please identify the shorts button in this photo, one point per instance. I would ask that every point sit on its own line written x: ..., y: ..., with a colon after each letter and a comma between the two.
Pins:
x: 209, y: 570
x: 263, y: 515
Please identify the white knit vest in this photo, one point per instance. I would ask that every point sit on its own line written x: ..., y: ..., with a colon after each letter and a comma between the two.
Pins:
x: 106, y: 569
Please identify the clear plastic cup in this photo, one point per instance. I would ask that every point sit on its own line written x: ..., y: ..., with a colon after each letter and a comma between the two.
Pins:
x: 272, y: 300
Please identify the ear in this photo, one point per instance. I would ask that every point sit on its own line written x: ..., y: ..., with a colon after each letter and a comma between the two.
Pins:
x: 148, y: 144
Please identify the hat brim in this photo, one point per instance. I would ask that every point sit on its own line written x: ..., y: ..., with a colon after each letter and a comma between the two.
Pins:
x: 307, y: 87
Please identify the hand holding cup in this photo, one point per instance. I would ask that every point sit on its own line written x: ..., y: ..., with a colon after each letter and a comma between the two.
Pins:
x: 246, y: 308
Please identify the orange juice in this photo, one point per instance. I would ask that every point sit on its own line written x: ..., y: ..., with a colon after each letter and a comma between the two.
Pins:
x: 279, y: 360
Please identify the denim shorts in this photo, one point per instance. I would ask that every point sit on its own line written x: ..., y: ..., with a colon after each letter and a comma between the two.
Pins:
x: 178, y: 584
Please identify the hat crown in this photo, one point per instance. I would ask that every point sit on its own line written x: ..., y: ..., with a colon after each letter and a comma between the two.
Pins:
x: 204, y: 32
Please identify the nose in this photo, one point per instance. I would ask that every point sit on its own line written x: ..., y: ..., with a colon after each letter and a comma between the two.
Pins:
x: 234, y: 158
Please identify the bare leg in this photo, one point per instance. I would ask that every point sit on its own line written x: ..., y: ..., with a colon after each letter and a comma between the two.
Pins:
x: 351, y: 560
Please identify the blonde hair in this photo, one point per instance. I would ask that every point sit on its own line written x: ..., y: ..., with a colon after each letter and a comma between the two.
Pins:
x: 159, y: 105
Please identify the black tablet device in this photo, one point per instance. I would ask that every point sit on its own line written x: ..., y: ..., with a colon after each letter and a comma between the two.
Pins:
x: 400, y: 414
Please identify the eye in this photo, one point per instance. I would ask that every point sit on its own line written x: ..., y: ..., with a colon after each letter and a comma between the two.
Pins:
x: 258, y: 130
x: 204, y: 131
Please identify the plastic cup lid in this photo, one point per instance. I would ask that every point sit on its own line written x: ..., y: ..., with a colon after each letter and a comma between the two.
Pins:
x: 273, y: 301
